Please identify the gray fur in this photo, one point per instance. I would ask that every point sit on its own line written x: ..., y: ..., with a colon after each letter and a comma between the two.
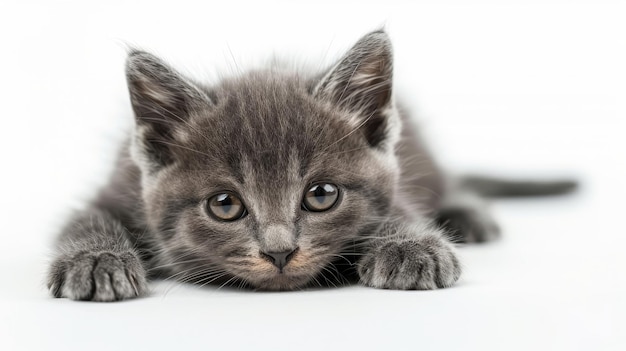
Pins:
x: 96, y: 261
x: 266, y: 136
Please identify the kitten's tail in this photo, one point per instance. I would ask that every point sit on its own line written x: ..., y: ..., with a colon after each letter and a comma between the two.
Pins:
x: 494, y: 187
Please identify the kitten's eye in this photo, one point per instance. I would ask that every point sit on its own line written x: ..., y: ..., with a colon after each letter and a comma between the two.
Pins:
x: 320, y: 197
x: 226, y: 207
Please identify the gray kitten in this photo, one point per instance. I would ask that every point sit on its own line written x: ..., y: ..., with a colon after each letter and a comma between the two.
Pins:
x: 274, y: 180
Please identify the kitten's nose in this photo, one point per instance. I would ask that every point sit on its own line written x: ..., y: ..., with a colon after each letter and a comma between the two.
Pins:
x: 279, y: 259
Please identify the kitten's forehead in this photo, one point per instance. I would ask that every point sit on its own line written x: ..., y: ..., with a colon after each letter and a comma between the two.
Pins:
x: 271, y: 124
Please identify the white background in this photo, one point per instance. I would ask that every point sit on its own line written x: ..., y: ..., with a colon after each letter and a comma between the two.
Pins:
x: 517, y: 88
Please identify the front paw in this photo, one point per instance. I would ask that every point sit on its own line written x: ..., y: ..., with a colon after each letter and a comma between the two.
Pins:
x: 97, y: 276
x: 418, y: 263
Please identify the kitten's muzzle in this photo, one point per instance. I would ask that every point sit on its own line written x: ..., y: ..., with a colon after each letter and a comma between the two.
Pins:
x: 279, y: 259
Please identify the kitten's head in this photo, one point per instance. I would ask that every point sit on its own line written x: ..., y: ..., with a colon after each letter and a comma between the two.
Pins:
x: 268, y: 177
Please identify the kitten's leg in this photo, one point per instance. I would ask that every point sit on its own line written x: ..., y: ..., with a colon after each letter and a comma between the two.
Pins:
x: 96, y: 261
x: 409, y: 256
x: 466, y: 218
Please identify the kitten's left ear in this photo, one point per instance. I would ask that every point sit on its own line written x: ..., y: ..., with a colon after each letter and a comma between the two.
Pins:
x: 361, y: 83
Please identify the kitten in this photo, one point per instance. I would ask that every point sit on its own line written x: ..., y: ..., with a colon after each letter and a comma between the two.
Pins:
x: 273, y: 180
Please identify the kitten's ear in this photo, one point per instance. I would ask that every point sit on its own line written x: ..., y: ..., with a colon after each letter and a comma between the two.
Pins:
x: 361, y: 83
x: 162, y: 100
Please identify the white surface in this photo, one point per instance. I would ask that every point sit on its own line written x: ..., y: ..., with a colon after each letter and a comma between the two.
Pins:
x: 514, y: 87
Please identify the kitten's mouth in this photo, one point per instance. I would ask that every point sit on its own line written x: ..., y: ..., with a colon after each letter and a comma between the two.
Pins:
x: 266, y: 274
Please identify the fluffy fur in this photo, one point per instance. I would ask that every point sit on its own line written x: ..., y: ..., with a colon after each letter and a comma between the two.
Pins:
x: 267, y: 136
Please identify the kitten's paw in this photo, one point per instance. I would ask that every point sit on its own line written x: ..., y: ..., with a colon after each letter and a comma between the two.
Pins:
x: 422, y: 263
x: 97, y: 276
x: 467, y: 225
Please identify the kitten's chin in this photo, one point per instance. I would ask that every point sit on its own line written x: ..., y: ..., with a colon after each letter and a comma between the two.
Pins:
x: 281, y: 282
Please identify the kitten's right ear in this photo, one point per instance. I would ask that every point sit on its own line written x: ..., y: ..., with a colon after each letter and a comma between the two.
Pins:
x: 162, y: 99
